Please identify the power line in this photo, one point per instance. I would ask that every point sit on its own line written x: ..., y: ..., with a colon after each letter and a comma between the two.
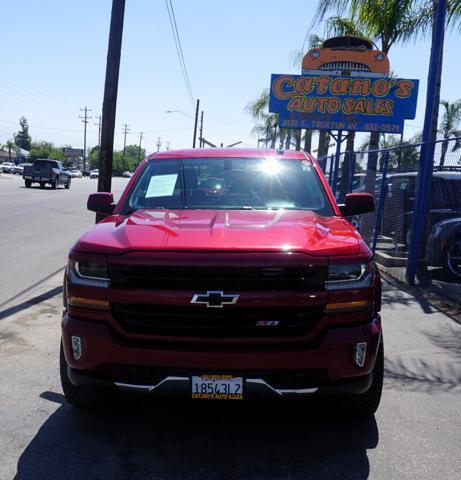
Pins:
x: 85, y: 119
x: 177, y: 40
x: 140, y: 135
x: 99, y: 129
x: 32, y: 89
x: 126, y: 130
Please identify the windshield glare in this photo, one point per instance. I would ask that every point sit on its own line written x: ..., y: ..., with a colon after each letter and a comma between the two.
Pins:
x: 228, y: 183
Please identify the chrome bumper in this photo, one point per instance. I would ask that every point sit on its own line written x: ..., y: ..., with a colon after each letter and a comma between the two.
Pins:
x: 181, y: 386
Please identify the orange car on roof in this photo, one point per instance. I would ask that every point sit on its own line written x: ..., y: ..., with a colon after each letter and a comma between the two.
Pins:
x: 346, y: 54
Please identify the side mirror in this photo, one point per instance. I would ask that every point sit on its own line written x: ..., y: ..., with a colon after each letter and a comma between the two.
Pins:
x: 357, y: 203
x: 101, y: 202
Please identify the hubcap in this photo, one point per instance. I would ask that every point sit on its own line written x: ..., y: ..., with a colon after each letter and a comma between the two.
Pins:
x: 454, y: 258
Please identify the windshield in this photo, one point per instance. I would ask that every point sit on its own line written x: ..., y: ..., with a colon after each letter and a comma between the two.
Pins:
x: 228, y: 183
x: 45, y: 164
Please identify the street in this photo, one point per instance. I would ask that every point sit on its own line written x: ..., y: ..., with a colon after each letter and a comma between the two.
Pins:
x: 39, y: 227
x: 414, y: 435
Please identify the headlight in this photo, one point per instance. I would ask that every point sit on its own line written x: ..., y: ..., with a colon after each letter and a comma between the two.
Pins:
x: 349, y: 275
x: 315, y: 53
x: 88, y: 272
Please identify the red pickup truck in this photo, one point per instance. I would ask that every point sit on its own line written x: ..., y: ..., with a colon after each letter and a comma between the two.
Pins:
x: 224, y: 274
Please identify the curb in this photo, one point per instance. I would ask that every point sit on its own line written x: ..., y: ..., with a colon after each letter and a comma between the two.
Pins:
x: 44, y: 290
x: 440, y: 302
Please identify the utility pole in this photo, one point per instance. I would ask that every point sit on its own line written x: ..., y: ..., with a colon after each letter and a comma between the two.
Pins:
x: 125, y: 131
x: 110, y: 97
x: 139, y: 148
x: 201, y: 130
x: 159, y: 143
x: 195, y: 123
x: 99, y: 136
x: 85, y: 119
x: 167, y: 145
x: 99, y: 130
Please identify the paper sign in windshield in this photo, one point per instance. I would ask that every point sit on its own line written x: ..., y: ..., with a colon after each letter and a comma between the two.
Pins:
x: 161, y: 185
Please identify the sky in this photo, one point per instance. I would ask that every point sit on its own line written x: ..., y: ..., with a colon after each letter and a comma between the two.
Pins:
x: 54, y: 56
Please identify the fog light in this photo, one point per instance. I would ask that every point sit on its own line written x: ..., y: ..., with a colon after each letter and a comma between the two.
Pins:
x: 360, y: 353
x: 77, y: 347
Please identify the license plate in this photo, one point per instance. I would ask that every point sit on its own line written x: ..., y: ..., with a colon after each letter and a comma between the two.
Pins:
x: 217, y: 387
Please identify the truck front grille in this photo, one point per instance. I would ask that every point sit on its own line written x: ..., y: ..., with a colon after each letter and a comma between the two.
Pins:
x: 352, y: 66
x: 199, y: 321
x: 218, y: 278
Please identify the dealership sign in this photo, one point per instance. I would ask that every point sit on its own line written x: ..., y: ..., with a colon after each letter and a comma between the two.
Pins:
x: 73, y: 152
x: 328, y: 102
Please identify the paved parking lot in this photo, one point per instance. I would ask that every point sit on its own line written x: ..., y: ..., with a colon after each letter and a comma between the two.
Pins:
x: 416, y: 433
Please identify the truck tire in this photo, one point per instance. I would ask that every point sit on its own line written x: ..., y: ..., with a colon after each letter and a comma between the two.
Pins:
x: 84, y: 397
x: 366, y: 404
x: 452, y: 255
x: 55, y: 183
x: 67, y: 185
x: 28, y: 183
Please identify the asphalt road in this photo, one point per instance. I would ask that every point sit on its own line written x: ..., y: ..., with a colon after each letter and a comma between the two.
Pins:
x: 39, y: 226
x: 416, y: 433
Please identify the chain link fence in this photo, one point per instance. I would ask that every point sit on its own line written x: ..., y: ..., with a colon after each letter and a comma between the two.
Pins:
x: 391, y: 176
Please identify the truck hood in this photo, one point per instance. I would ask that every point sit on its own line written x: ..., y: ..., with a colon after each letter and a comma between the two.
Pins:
x: 229, y: 230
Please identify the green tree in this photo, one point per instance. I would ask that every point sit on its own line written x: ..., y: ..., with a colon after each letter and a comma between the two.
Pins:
x: 129, y: 161
x: 10, y: 145
x: 385, y: 22
x: 22, y: 138
x: 93, y: 157
x: 265, y: 122
x: 44, y: 149
x: 388, y: 22
x: 449, y: 125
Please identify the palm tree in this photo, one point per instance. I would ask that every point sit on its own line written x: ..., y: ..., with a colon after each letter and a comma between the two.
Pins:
x: 10, y: 144
x: 449, y: 125
x: 265, y: 122
x: 385, y: 22
x: 388, y: 22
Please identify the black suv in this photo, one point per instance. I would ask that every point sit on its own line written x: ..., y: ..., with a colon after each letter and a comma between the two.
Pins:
x: 443, y: 228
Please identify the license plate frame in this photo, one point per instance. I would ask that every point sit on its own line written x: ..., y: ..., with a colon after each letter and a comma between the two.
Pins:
x: 217, y: 387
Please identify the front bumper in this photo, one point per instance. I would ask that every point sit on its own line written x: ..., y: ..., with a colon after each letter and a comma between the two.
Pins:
x: 253, y: 387
x: 328, y: 361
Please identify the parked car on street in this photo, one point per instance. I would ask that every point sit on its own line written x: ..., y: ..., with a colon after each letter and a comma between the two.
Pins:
x: 263, y: 288
x: 94, y: 173
x: 127, y: 174
x: 443, y: 227
x: 75, y: 173
x: 19, y: 169
x: 46, y: 171
x: 7, y: 166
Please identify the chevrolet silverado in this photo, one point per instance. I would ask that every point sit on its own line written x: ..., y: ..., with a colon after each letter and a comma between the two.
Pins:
x: 224, y: 274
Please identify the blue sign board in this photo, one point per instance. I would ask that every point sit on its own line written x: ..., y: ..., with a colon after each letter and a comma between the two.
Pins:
x: 331, y: 102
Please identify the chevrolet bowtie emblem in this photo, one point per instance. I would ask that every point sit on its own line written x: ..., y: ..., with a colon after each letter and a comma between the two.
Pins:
x: 215, y: 299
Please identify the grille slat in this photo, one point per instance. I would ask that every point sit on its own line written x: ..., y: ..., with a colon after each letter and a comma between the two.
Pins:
x: 199, y: 321
x: 360, y: 67
x: 218, y: 278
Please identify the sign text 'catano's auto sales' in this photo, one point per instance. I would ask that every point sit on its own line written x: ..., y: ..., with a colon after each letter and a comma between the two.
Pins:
x: 346, y: 103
